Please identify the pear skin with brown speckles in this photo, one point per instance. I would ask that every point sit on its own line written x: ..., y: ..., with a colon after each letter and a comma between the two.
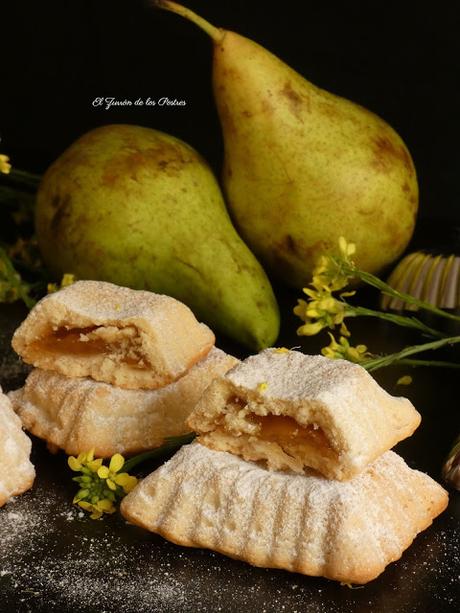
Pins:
x: 140, y: 208
x: 303, y: 166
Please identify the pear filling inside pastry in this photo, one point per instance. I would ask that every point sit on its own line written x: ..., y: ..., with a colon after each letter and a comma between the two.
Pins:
x: 122, y: 345
x: 284, y: 430
x: 278, y: 440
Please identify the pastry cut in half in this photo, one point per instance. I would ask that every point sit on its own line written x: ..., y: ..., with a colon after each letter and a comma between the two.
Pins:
x: 17, y: 473
x: 348, y: 531
x: 130, y: 338
x: 292, y: 411
x: 78, y: 414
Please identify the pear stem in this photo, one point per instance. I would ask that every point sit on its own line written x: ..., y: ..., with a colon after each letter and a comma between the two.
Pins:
x: 217, y: 34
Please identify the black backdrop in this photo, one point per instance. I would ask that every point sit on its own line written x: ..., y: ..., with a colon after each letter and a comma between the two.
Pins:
x: 400, y: 60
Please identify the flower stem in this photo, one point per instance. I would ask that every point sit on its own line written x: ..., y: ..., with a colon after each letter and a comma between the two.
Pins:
x: 435, y: 363
x: 26, y: 179
x: 400, y: 320
x: 386, y: 360
x: 170, y: 444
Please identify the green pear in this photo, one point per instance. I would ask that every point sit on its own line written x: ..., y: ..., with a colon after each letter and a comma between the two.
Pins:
x: 141, y: 208
x: 303, y: 166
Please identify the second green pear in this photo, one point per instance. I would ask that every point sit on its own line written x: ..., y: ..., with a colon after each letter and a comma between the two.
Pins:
x: 140, y: 208
x: 303, y: 166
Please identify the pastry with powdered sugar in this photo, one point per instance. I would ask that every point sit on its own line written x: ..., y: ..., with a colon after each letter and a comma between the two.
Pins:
x: 129, y: 338
x: 78, y: 414
x: 343, y: 530
x: 294, y: 411
x: 17, y: 473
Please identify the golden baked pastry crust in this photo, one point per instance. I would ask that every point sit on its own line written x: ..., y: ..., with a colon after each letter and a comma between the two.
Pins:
x: 347, y: 531
x: 292, y: 411
x: 17, y: 473
x: 130, y: 338
x: 79, y: 414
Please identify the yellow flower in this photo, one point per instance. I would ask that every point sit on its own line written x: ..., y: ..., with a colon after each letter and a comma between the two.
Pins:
x: 333, y: 273
x: 100, y: 485
x: 67, y: 279
x: 322, y: 309
x: 344, y: 351
x: 113, y: 479
x: 84, y: 460
x: 5, y: 165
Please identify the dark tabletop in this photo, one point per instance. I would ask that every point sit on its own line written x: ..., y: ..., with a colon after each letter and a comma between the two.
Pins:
x: 53, y: 558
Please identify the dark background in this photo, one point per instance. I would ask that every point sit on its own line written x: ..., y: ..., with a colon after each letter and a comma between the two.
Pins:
x: 400, y: 60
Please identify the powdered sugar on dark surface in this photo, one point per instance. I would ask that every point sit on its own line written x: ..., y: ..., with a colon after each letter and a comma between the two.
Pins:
x: 54, y: 558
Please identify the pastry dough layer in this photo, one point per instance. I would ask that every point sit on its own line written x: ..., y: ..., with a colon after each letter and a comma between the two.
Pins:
x: 17, y: 474
x: 132, y: 339
x: 293, y: 411
x: 347, y: 531
x: 78, y: 414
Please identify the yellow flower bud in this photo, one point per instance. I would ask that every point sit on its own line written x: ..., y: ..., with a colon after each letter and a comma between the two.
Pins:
x: 73, y: 463
x: 310, y: 329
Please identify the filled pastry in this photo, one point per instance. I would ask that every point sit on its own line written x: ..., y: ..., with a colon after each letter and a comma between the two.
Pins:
x: 130, y: 338
x: 78, y: 414
x: 292, y: 411
x: 17, y: 473
x: 348, y: 531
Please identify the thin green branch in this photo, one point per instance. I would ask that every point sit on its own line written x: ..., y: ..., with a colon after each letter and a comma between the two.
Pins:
x: 386, y: 360
x: 400, y: 320
x: 29, y: 180
x: 435, y: 363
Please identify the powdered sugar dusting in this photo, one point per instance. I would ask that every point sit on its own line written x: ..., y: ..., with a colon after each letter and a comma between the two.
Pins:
x: 297, y: 522
x: 53, y: 558
x: 142, y: 339
x: 16, y: 471
x: 100, y: 302
x: 78, y: 414
x: 359, y: 419
x: 295, y: 376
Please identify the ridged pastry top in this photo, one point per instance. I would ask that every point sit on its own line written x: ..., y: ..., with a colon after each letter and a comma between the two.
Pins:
x: 145, y: 340
x: 340, y: 405
x: 348, y: 531
x: 16, y: 471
